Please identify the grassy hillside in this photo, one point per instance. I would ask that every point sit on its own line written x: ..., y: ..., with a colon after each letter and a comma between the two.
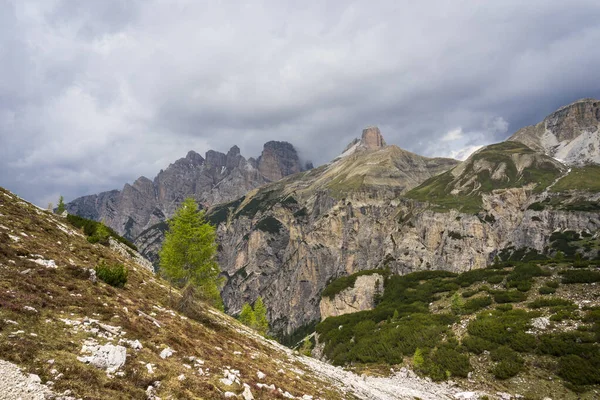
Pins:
x: 498, y: 166
x: 584, y: 178
x: 527, y: 327
x: 50, y: 308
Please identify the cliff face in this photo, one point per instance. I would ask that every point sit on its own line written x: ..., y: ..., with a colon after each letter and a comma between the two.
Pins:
x: 570, y: 134
x: 139, y: 210
x: 286, y: 240
x: 359, y: 297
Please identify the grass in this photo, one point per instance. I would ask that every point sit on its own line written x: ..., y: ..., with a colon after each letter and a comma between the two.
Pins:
x: 440, y: 191
x: 583, y: 178
x: 66, y: 293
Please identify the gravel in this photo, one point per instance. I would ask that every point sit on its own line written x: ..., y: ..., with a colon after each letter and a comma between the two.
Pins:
x: 14, y: 384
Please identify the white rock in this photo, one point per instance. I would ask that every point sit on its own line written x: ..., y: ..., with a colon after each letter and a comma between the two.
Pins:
x: 226, y: 381
x: 181, y: 377
x: 247, y: 394
x: 465, y: 395
x: 260, y: 375
x: 229, y: 394
x: 150, y: 368
x: 108, y: 357
x: 166, y: 353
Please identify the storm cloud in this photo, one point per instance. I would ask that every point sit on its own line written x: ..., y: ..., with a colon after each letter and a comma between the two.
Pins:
x: 94, y: 94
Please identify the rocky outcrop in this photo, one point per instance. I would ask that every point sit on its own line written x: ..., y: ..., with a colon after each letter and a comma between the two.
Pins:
x: 278, y: 159
x: 139, y: 210
x: 359, y: 297
x: 571, y: 134
x: 372, y: 139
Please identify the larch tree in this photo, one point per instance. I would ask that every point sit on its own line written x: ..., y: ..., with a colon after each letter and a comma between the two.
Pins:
x: 188, y: 255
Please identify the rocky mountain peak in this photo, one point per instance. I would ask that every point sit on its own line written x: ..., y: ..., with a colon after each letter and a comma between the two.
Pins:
x: 194, y: 157
x: 233, y: 151
x: 215, y: 159
x: 570, y: 134
x: 372, y: 138
x: 279, y: 159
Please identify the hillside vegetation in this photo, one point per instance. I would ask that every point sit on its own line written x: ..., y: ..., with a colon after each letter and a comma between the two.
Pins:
x: 53, y: 312
x: 498, y: 166
x: 527, y: 327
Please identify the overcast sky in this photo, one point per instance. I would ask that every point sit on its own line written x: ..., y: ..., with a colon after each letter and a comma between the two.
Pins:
x: 95, y: 93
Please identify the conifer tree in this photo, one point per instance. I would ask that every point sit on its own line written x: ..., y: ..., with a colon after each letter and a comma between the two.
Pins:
x: 247, y: 316
x: 187, y: 257
x: 61, y: 205
x: 260, y: 313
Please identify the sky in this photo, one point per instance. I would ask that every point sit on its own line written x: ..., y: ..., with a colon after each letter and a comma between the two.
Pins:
x: 94, y: 94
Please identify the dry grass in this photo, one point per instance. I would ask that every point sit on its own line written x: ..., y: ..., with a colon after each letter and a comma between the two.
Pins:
x: 67, y: 293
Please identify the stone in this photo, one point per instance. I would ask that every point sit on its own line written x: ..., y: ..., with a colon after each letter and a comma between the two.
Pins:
x: 372, y: 138
x: 359, y: 297
x: 247, y: 393
x: 260, y: 375
x: 278, y: 159
x: 166, y: 353
x: 108, y: 357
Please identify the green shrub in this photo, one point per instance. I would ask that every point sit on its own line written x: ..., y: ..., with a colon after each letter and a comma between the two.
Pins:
x: 469, y: 293
x: 115, y: 275
x: 547, y: 290
x: 509, y: 362
x: 495, y: 279
x: 449, y: 359
x: 580, y: 371
x: 580, y: 276
x: 549, y: 302
x: 553, y: 284
x: 477, y: 345
x: 509, y: 296
x: 96, y: 231
x: 504, y: 307
x: 476, y: 304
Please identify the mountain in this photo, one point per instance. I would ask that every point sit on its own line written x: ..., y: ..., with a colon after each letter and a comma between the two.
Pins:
x: 145, y: 205
x: 380, y: 207
x: 66, y: 334
x: 498, y: 166
x: 570, y: 134
x: 287, y: 239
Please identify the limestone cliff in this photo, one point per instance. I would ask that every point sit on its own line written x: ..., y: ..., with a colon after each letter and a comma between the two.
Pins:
x: 286, y: 240
x: 361, y: 296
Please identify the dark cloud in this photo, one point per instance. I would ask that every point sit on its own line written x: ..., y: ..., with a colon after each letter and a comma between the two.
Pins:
x: 95, y: 93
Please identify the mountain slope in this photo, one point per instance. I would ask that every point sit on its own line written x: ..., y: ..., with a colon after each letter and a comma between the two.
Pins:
x: 285, y: 240
x: 571, y: 134
x: 498, y: 166
x: 214, y: 179
x: 90, y: 340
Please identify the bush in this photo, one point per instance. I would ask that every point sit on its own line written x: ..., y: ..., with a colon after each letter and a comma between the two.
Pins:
x: 580, y: 276
x: 477, y: 345
x: 579, y: 371
x: 547, y: 290
x: 550, y: 302
x: 449, y: 359
x: 115, y: 275
x: 476, y: 304
x: 509, y: 296
x: 509, y: 362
